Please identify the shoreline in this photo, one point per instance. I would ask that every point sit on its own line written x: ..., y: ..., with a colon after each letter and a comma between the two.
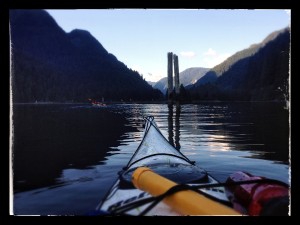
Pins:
x: 140, y: 102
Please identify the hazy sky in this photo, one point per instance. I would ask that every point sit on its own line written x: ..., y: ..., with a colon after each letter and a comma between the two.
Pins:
x: 141, y: 38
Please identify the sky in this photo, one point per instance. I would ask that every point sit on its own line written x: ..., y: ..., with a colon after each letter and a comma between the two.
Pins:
x: 141, y: 38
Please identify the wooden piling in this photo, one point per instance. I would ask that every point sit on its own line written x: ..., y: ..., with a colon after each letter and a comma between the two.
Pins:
x: 170, y: 76
x: 176, y: 72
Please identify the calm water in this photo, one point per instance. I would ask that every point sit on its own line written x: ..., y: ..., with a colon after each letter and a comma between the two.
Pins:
x: 66, y: 156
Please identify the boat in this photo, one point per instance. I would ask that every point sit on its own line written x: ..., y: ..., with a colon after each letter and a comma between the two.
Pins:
x: 97, y: 103
x: 195, y: 191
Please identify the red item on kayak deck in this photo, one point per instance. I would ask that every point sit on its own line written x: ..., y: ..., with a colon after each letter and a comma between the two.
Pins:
x: 257, y: 198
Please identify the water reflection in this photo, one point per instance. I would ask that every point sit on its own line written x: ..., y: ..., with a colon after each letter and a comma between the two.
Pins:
x: 51, y: 138
x: 67, y: 145
x: 259, y: 128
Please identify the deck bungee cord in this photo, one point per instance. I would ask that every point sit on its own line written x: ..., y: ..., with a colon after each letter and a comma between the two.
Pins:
x: 182, y: 187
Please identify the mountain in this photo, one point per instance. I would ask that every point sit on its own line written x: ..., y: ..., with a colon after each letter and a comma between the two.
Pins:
x: 221, y: 68
x: 192, y: 75
x: 162, y: 85
x: 49, y: 64
x: 186, y: 77
x: 258, y: 73
x: 152, y: 83
x: 213, y: 74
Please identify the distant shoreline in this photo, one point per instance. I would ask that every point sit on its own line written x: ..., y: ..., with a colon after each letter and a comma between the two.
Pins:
x: 137, y: 102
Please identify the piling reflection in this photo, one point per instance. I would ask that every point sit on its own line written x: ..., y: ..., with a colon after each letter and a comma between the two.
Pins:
x: 177, y: 126
x: 171, y: 128
x: 170, y: 124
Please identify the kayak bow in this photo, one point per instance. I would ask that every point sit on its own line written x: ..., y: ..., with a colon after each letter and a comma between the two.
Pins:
x: 157, y: 154
x: 160, y: 180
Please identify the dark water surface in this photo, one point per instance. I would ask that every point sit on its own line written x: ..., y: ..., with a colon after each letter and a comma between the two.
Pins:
x: 66, y: 156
